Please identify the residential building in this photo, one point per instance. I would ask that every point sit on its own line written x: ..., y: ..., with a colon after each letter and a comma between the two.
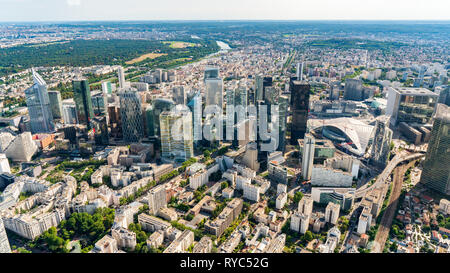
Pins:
x: 332, y: 213
x: 157, y: 198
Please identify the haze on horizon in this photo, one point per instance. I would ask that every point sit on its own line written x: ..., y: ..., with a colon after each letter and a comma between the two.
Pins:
x: 113, y: 10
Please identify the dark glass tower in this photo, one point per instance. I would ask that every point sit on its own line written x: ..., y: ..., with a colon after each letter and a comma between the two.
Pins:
x: 299, y: 108
x: 83, y: 102
x: 436, y: 170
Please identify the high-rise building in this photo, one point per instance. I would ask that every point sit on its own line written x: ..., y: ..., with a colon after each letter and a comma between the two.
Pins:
x: 195, y: 105
x: 267, y: 82
x: 381, y: 141
x: 83, y: 101
x: 241, y: 96
x: 160, y: 105
x: 410, y: 105
x: 157, y: 199
x: 229, y: 97
x: 99, y: 103
x: 38, y: 103
x: 121, y: 76
x: 4, y: 243
x: 179, y: 95
x: 308, y: 156
x: 259, y: 88
x: 271, y: 95
x: 100, y: 126
x: 211, y: 72
x: 69, y: 111
x: 332, y: 213
x: 283, y: 104
x: 436, y: 171
x: 131, y: 114
x: 300, y: 222
x: 214, y: 92
x: 55, y: 103
x: 305, y: 205
x: 299, y: 71
x: 106, y: 87
x: 444, y: 96
x: 176, y: 134
x: 299, y: 108
x: 353, y: 90
x: 335, y: 90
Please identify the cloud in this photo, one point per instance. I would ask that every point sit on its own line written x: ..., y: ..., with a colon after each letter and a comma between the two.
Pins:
x: 73, y: 2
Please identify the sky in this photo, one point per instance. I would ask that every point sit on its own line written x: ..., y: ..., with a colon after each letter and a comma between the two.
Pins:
x: 112, y: 10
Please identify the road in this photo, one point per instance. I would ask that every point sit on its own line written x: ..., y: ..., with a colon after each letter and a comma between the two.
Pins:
x: 388, y: 216
x: 400, y: 157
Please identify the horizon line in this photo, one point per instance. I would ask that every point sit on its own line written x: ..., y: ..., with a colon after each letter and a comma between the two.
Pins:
x: 229, y: 20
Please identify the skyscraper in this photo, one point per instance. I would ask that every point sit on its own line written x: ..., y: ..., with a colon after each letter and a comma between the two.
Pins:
x: 131, y: 114
x: 99, y: 103
x: 381, y: 141
x: 179, y: 95
x: 214, y: 92
x: 267, y: 82
x: 299, y: 72
x: 69, y: 111
x: 176, y: 134
x: 83, y: 101
x: 100, y: 126
x: 283, y: 103
x: 308, y: 156
x: 55, y: 103
x: 4, y: 243
x: 353, y: 90
x: 121, y: 76
x: 299, y: 108
x: 444, y: 96
x: 436, y: 171
x: 38, y: 103
x: 211, y: 72
x: 410, y: 105
x: 106, y: 87
x: 259, y: 88
x: 196, y: 108
x: 160, y: 105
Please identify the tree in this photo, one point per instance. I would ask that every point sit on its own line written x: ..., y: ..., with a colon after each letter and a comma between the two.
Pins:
x: 224, y: 185
x: 298, y: 196
x: 308, y: 236
x: 393, y: 247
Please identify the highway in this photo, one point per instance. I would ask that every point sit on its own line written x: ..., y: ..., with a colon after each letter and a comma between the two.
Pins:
x: 400, y: 157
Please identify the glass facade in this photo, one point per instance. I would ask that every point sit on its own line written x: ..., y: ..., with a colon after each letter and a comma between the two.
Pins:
x: 436, y: 171
x: 416, y: 109
x: 83, y: 102
x: 131, y: 113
